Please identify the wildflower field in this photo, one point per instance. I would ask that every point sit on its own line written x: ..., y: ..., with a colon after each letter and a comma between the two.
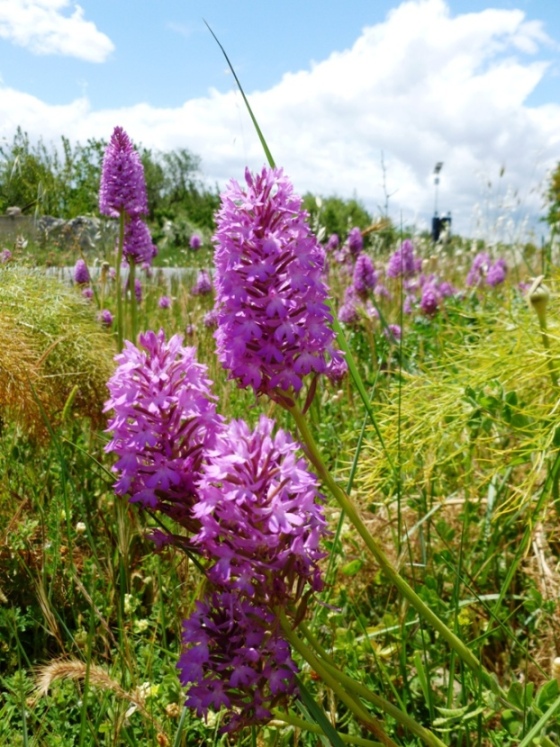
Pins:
x: 304, y: 493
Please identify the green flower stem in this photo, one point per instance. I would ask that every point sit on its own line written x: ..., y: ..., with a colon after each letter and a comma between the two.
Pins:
x: 365, y: 718
x: 400, y: 717
x: 120, y: 320
x: 290, y: 718
x: 392, y: 574
x: 133, y: 302
x: 546, y: 345
x: 362, y: 692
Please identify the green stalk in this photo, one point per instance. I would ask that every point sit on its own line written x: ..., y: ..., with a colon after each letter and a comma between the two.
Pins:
x: 549, y: 360
x: 392, y: 574
x: 133, y: 302
x: 361, y: 691
x: 365, y: 718
x: 120, y: 320
x: 299, y: 723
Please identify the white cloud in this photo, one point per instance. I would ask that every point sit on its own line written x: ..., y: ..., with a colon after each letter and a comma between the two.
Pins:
x: 420, y: 87
x: 43, y: 27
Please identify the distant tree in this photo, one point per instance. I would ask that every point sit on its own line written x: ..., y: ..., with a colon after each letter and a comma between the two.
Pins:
x: 64, y: 181
x: 27, y: 178
x: 336, y: 215
x: 553, y: 197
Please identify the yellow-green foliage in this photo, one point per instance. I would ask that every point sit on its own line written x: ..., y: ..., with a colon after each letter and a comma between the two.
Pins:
x: 52, y: 352
x: 486, y: 415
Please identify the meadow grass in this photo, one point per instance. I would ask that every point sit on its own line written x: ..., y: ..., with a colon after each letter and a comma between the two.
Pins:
x: 454, y: 466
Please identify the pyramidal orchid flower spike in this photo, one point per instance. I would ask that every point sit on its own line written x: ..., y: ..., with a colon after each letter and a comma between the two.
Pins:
x: 237, y: 658
x: 262, y: 523
x: 122, y: 188
x: 164, y: 418
x: 260, y: 513
x: 273, y: 319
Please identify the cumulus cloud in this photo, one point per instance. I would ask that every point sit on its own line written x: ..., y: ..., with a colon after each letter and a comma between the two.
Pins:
x: 421, y: 87
x: 43, y: 27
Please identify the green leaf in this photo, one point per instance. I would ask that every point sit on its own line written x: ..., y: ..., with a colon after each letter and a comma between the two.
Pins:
x: 318, y: 715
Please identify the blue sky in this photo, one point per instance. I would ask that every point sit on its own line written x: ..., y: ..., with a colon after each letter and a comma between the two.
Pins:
x: 338, y: 88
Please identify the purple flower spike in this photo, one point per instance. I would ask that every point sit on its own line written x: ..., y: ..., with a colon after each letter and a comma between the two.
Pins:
x: 497, y: 273
x: 403, y: 263
x: 333, y: 243
x: 105, y: 317
x: 122, y: 187
x: 203, y: 284
x: 235, y: 657
x: 260, y: 514
x: 138, y: 245
x: 164, y: 302
x: 195, y: 242
x: 164, y: 418
x: 479, y: 268
x: 273, y: 317
x: 365, y: 277
x: 81, y: 273
x: 429, y: 303
x: 355, y: 242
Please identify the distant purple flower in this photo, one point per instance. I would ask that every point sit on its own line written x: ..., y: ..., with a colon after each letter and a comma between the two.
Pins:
x: 365, y: 277
x: 337, y: 367
x: 164, y: 418
x: 105, y: 317
x: 446, y: 289
x: 195, y: 242
x: 497, y: 273
x: 393, y: 332
x: 235, y: 658
x: 87, y: 293
x: 81, y: 273
x: 348, y: 312
x: 273, y: 324
x: 122, y: 188
x: 332, y: 243
x: 403, y: 263
x: 164, y: 302
x: 210, y: 319
x: 138, y: 246
x: 190, y: 330
x: 260, y: 513
x: 5, y: 256
x: 138, y: 290
x: 355, y: 241
x: 408, y: 304
x: 382, y: 291
x: 203, y: 284
x: 479, y: 268
x: 429, y: 303
x: 112, y: 273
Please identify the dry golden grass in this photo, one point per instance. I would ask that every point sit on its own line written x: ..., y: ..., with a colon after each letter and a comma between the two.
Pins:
x: 53, y: 353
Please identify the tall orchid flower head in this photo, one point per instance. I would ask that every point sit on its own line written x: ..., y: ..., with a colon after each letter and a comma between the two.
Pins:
x: 163, y: 419
x: 497, y: 272
x: 81, y: 273
x: 403, y: 263
x: 355, y: 241
x: 365, y: 278
x: 260, y: 513
x: 138, y: 246
x: 273, y: 320
x: 479, y: 268
x: 235, y: 658
x: 122, y: 187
